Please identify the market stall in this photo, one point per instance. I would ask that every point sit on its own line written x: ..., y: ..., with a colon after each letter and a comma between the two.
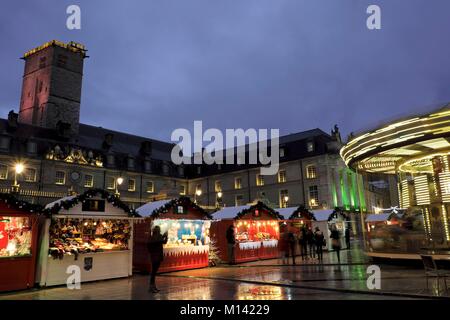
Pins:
x: 257, y: 232
x: 326, y: 220
x: 187, y: 226
x: 297, y: 218
x: 18, y: 243
x: 92, y: 231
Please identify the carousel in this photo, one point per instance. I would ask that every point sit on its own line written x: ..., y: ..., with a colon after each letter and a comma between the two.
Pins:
x: 416, y: 150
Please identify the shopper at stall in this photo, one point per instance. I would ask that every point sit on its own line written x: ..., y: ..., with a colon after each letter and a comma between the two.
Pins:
x: 311, y: 243
x: 231, y: 242
x: 347, y: 237
x: 292, y: 241
x: 320, y: 243
x: 302, y: 241
x: 284, y: 247
x: 155, y: 248
x: 335, y: 242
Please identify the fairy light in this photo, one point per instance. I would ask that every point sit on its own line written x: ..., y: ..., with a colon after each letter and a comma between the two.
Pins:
x: 422, y: 190
x: 444, y: 220
x: 427, y: 222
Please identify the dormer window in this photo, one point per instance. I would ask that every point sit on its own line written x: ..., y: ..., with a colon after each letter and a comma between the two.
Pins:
x: 310, y: 146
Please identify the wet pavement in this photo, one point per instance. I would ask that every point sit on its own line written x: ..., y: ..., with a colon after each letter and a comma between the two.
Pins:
x: 267, y: 279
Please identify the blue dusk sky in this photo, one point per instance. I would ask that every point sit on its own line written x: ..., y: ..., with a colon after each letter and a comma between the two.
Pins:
x: 158, y: 65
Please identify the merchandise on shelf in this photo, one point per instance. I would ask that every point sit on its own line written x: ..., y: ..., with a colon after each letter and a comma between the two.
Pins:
x: 15, y: 236
x: 75, y: 236
x: 184, y: 233
x: 261, y: 230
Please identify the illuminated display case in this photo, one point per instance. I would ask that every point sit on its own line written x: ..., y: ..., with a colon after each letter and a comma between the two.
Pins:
x: 256, y: 229
x: 187, y: 226
x: 92, y: 231
x: 18, y: 243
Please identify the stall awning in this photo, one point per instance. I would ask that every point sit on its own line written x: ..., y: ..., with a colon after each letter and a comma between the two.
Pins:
x: 54, y: 203
x: 229, y: 212
x: 147, y: 209
x: 286, y: 212
x: 322, y: 215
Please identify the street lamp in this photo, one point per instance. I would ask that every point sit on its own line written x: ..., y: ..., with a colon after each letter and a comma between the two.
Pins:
x: 286, y: 199
x: 18, y: 169
x: 198, y: 193
x: 219, y: 198
x: 119, y: 181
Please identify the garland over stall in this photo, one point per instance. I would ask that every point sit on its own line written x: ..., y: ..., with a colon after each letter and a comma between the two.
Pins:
x: 92, y: 231
x: 187, y: 226
x: 18, y: 243
x: 257, y: 232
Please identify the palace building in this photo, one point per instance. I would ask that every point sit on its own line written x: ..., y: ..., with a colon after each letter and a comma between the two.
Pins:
x: 46, y: 153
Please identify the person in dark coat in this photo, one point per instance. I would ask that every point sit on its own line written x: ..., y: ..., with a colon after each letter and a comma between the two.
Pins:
x: 336, y: 242
x: 303, y: 243
x: 320, y: 243
x: 155, y: 248
x: 347, y: 237
x: 311, y: 243
x: 292, y: 241
x: 231, y: 242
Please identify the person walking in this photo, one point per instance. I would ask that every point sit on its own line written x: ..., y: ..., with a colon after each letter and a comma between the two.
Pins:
x: 231, y: 242
x: 291, y: 242
x: 155, y: 248
x: 347, y: 237
x: 302, y: 241
x: 311, y: 243
x: 320, y: 243
x: 335, y: 242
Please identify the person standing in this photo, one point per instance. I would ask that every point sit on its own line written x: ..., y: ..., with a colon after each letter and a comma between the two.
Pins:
x: 311, y: 243
x: 320, y: 243
x: 292, y: 241
x: 231, y: 242
x: 335, y: 242
x: 284, y: 247
x: 347, y: 237
x: 302, y: 241
x: 155, y: 248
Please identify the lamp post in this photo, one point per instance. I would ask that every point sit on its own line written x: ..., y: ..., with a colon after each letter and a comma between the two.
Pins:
x: 18, y: 169
x: 198, y: 193
x: 219, y: 198
x: 119, y: 181
x: 286, y: 199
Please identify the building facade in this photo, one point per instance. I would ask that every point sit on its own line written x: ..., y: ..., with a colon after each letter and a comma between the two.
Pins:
x: 58, y: 155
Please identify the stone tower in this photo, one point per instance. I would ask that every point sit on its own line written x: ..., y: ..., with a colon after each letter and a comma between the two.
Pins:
x: 51, y: 89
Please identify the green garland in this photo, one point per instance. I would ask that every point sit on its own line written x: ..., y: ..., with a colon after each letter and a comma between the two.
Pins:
x: 259, y: 206
x: 111, y: 198
x: 302, y: 212
x: 11, y: 201
x: 181, y: 201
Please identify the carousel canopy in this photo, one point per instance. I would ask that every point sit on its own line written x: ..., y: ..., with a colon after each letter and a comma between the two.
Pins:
x: 377, y: 217
x: 229, y: 212
x: 147, y: 209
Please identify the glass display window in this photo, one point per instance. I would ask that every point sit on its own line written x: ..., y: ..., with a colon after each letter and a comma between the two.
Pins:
x: 75, y: 236
x: 251, y: 230
x: 184, y: 232
x: 15, y: 236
